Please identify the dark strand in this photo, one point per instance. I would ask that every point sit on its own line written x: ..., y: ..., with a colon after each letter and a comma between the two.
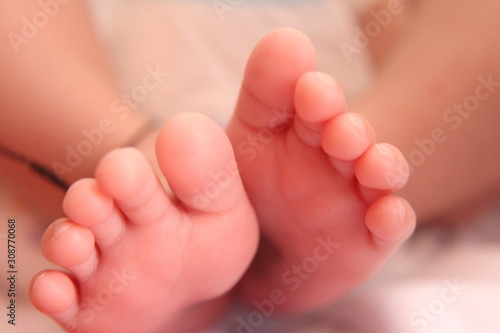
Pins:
x: 37, y: 168
x: 51, y: 176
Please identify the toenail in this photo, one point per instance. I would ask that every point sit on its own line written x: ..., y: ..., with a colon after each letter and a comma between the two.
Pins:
x: 59, y: 230
x: 402, y: 209
x: 385, y: 150
x: 326, y: 79
x: 358, y: 123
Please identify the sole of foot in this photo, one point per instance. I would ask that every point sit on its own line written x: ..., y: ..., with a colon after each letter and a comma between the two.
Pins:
x: 140, y: 260
x: 320, y: 184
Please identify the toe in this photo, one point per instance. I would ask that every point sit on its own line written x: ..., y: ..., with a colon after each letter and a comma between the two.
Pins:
x: 277, y: 62
x: 347, y: 136
x: 126, y: 176
x: 391, y: 220
x: 197, y: 159
x: 318, y: 98
x: 381, y: 169
x: 54, y: 294
x: 87, y: 205
x: 71, y: 246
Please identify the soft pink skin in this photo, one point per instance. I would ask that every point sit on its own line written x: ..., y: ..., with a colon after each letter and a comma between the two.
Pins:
x: 125, y: 237
x: 316, y: 178
x: 314, y: 174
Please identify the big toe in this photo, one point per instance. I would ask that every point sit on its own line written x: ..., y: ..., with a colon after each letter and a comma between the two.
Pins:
x: 273, y: 69
x: 197, y: 159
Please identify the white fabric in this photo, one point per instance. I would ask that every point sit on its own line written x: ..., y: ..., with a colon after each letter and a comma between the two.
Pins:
x: 205, y: 50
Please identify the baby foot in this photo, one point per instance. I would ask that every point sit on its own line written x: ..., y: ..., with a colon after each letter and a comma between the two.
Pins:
x: 318, y: 182
x: 139, y: 259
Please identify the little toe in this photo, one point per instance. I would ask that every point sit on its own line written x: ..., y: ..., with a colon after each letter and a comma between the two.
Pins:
x: 125, y: 175
x: 318, y: 98
x: 71, y: 246
x: 381, y: 169
x: 197, y: 159
x: 391, y: 220
x: 54, y: 294
x: 87, y: 205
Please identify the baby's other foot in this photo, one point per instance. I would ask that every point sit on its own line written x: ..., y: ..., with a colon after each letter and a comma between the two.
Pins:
x: 141, y: 261
x: 318, y: 182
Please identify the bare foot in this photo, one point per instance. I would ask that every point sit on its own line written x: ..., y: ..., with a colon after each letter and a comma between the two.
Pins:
x: 139, y: 259
x: 318, y: 182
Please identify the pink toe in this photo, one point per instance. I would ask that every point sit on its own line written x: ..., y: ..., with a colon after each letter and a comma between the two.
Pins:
x: 67, y: 244
x: 86, y: 204
x: 54, y: 293
x: 382, y: 167
x: 347, y: 136
x: 318, y: 97
x: 391, y: 221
